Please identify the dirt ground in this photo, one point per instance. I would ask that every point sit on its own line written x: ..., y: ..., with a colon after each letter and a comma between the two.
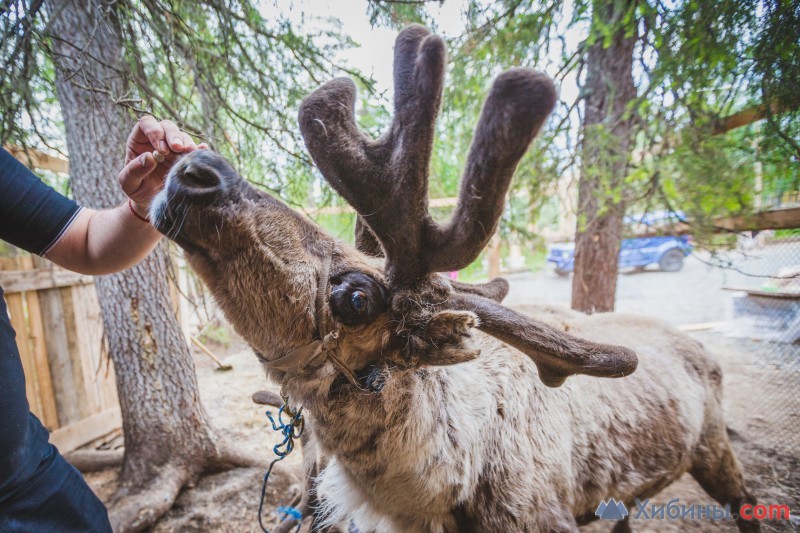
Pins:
x: 762, y: 401
x: 762, y: 405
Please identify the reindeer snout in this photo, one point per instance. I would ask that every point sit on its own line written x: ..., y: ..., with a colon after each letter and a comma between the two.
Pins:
x: 202, y: 174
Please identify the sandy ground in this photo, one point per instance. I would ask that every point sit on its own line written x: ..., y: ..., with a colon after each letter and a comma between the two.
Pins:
x: 762, y: 403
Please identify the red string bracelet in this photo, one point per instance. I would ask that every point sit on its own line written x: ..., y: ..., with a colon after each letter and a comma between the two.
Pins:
x: 137, y: 215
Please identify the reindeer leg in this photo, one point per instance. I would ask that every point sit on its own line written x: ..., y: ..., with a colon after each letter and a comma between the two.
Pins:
x: 623, y: 526
x: 717, y: 470
x: 715, y: 466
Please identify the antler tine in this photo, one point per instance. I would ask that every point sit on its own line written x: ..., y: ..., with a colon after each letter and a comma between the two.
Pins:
x: 366, y: 241
x: 339, y: 149
x: 515, y: 110
x: 386, y: 181
x: 419, y: 60
x: 557, y: 354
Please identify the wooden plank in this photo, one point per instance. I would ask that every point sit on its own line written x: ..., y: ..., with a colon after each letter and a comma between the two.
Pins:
x: 95, y: 349
x: 774, y: 219
x: 783, y: 295
x: 39, y: 349
x: 16, y: 309
x: 8, y: 263
x: 56, y: 343
x: 84, y: 431
x: 86, y: 352
x: 750, y: 115
x: 72, y: 321
x: 33, y: 158
x: 701, y: 326
x: 40, y: 278
x: 103, y: 370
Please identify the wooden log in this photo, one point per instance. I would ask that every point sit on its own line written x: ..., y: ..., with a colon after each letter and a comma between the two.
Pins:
x: 36, y: 159
x: 86, y: 430
x: 748, y: 116
x: 94, y: 460
x: 773, y: 219
x: 782, y: 295
x: 701, y: 326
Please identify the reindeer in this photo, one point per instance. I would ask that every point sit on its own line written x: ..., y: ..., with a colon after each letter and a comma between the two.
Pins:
x: 434, y: 407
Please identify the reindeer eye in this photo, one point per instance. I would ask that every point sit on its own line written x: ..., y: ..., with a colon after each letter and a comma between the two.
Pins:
x: 356, y: 298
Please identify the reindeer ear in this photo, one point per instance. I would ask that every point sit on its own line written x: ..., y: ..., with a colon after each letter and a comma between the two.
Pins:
x: 448, y: 334
x: 496, y: 289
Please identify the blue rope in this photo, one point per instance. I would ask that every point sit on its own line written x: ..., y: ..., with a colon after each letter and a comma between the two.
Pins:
x: 288, y: 511
x: 291, y: 429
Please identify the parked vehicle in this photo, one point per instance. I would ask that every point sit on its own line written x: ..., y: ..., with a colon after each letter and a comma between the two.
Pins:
x: 666, y: 252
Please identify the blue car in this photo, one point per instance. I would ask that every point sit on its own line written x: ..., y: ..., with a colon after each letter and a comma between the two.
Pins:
x: 666, y: 252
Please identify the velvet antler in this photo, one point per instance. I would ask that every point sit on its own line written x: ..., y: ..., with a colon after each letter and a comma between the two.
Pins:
x: 557, y: 354
x: 386, y: 180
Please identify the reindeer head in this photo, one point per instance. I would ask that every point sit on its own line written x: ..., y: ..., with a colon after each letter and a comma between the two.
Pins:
x: 284, y: 283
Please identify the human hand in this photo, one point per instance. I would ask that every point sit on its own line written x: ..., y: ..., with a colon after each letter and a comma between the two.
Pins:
x: 143, y: 176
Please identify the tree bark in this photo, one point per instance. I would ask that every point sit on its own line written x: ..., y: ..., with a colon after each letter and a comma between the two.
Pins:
x: 607, y: 135
x: 169, y: 439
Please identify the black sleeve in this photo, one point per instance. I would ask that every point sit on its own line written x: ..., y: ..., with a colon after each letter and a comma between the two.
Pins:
x: 32, y: 214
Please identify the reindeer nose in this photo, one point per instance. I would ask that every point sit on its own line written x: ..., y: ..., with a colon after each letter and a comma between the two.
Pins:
x: 201, y: 174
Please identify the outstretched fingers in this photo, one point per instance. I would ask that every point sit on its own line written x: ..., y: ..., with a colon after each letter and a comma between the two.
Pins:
x: 163, y: 136
x: 152, y: 148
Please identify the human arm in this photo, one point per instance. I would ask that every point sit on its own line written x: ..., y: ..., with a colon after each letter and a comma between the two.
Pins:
x: 105, y: 241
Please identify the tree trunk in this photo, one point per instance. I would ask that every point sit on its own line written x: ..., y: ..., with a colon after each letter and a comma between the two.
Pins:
x: 607, y: 135
x: 169, y: 440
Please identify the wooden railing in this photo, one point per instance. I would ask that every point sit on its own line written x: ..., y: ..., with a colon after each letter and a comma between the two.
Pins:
x: 69, y: 378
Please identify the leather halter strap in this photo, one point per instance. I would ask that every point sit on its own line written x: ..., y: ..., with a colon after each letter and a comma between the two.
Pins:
x: 324, y: 346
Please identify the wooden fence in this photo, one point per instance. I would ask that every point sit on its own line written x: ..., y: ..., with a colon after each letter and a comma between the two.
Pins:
x: 69, y: 378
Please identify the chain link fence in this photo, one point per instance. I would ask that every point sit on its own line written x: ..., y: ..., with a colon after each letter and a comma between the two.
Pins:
x: 759, y: 345
x: 763, y: 277
x: 743, y: 304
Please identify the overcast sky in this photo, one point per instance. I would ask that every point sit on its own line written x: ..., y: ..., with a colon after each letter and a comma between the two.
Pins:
x: 374, y: 55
